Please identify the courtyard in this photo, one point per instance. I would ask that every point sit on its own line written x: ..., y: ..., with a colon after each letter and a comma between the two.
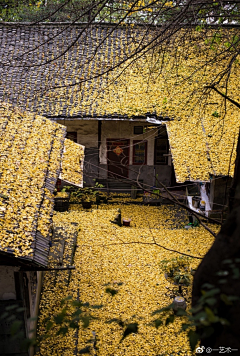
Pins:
x: 117, y: 271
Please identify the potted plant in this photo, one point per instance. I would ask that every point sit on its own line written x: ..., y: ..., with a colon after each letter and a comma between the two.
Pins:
x: 61, y: 200
x: 182, y: 279
x: 177, y: 270
x: 87, y: 195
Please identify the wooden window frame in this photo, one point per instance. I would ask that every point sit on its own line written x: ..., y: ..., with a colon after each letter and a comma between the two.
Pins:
x: 135, y: 142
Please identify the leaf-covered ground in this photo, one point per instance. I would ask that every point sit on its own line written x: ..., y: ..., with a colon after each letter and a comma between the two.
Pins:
x: 125, y: 259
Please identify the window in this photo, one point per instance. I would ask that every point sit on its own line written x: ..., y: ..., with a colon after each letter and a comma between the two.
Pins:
x: 139, y: 152
x: 138, y: 130
x: 72, y: 136
x: 161, y: 149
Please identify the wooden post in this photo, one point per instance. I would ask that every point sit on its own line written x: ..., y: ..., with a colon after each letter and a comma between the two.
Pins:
x: 99, y: 142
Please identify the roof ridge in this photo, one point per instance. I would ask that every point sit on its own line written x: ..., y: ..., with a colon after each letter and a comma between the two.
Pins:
x: 123, y: 25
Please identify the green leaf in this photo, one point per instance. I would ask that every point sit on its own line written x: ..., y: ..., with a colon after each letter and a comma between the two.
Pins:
x: 96, y: 306
x: 196, y: 308
x: 225, y: 299
x: 115, y: 320
x: 185, y: 326
x: 65, y: 300
x: 86, y: 304
x: 73, y: 324
x: 4, y: 315
x: 60, y: 317
x: 157, y: 323
x: 222, y: 273
x: 49, y: 325
x: 236, y: 273
x: 228, y: 260
x: 233, y: 298
x: 181, y: 312
x: 11, y: 318
x: 63, y: 330
x: 11, y: 307
x: 202, y: 315
x: 131, y: 328
x: 224, y: 321
x: 211, y: 301
x: 77, y: 303
x: 209, y: 293
x: 208, y: 331
x: 111, y: 291
x: 15, y: 327
x: 170, y: 319
x: 222, y: 281
x: 169, y: 307
x: 21, y: 309
x: 227, y: 44
x: 193, y: 339
x: 86, y: 321
x: 211, y: 317
x: 198, y: 28
x: 77, y: 313
x: 208, y: 285
x: 85, y: 350
x: 215, y: 113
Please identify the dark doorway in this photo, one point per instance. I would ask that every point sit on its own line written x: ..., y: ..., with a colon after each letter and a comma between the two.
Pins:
x: 118, y: 158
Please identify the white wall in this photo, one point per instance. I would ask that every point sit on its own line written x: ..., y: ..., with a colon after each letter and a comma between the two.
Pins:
x: 87, y: 131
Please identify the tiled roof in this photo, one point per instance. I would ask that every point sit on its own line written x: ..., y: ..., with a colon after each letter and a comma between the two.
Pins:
x: 29, y: 73
x: 203, y: 136
x: 30, y: 158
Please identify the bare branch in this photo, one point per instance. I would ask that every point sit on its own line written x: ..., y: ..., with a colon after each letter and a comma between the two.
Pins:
x: 224, y: 96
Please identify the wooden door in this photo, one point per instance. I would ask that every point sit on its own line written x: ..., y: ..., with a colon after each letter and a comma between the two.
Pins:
x: 118, y: 158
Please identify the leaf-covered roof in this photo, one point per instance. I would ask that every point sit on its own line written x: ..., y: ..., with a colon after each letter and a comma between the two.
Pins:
x: 64, y: 71
x: 72, y: 163
x: 30, y: 158
x: 32, y: 65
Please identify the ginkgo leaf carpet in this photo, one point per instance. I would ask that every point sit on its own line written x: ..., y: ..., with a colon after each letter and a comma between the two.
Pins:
x: 124, y: 259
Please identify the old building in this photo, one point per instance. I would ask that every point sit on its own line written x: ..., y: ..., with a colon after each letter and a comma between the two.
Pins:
x: 130, y: 116
x: 33, y: 152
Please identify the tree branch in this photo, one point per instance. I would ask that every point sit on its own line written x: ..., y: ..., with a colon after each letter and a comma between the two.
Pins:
x: 224, y: 95
x: 146, y: 243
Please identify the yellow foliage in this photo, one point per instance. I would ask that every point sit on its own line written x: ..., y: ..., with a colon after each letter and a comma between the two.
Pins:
x: 102, y: 259
x: 30, y: 151
x: 72, y: 163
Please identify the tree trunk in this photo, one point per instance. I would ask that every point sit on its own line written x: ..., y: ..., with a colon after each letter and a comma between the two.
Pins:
x: 226, y: 246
